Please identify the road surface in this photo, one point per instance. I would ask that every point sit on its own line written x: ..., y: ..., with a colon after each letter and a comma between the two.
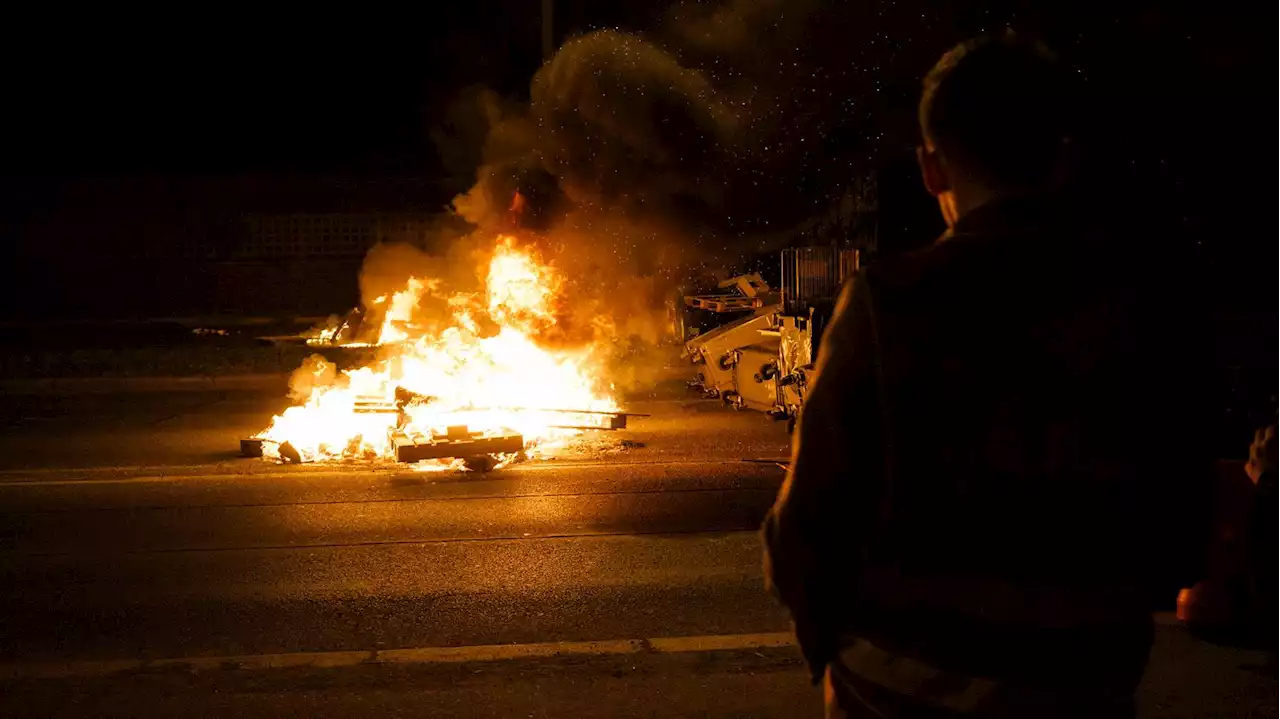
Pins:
x: 147, y: 570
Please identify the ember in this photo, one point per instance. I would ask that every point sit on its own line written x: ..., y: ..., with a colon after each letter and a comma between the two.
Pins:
x: 483, y: 369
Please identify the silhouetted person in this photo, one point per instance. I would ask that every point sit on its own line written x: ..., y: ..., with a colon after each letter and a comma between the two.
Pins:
x: 995, y: 478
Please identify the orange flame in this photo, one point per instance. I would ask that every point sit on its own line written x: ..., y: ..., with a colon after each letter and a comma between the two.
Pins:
x: 495, y: 380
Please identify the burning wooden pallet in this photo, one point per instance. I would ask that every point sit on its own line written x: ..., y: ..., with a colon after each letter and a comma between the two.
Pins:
x: 457, y: 441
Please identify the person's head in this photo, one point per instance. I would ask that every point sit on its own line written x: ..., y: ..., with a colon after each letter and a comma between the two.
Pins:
x: 995, y: 119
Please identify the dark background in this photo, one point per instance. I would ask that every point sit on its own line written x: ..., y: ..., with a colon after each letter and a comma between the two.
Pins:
x: 135, y: 143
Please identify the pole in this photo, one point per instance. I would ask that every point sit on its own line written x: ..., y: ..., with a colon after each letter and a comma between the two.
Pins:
x: 548, y: 30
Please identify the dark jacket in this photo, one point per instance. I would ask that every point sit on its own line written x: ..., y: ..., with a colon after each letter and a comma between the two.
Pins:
x: 996, y: 470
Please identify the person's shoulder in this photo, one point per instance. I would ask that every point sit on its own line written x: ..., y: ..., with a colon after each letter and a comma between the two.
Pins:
x: 906, y: 269
x: 943, y: 262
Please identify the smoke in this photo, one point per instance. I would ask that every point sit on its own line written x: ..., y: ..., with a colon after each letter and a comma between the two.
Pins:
x: 643, y: 158
x: 621, y: 157
x: 388, y: 267
x: 725, y: 122
x: 615, y: 126
x: 622, y: 124
x: 459, y: 137
x: 314, y: 373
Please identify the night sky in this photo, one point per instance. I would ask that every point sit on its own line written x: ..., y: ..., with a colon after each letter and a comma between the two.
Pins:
x: 228, y: 92
x: 231, y: 94
x: 215, y: 91
x: 100, y: 104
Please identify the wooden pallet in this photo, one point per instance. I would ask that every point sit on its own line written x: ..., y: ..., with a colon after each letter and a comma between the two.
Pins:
x: 458, y: 442
x: 251, y: 447
x: 605, y: 420
x: 722, y: 303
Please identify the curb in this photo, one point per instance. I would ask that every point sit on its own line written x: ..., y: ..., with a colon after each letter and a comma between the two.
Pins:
x: 410, y: 656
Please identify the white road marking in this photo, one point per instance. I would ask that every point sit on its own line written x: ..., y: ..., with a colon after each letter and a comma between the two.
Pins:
x: 312, y: 472
x: 416, y: 655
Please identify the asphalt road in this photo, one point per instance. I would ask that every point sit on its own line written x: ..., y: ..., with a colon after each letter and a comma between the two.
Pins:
x: 55, y: 430
x: 130, y: 530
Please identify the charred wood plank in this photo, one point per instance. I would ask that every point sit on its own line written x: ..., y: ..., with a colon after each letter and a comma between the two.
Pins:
x: 408, y: 450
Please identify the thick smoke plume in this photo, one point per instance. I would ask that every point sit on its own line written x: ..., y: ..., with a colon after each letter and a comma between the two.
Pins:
x: 615, y: 125
x: 725, y: 122
x: 641, y: 157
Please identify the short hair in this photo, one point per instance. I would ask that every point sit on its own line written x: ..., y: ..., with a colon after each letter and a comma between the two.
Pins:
x: 999, y: 109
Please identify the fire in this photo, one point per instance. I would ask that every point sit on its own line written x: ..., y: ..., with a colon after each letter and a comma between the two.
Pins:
x: 400, y: 310
x: 484, y: 368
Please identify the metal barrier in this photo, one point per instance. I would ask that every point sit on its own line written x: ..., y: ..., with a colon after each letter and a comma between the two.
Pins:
x: 814, y: 274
